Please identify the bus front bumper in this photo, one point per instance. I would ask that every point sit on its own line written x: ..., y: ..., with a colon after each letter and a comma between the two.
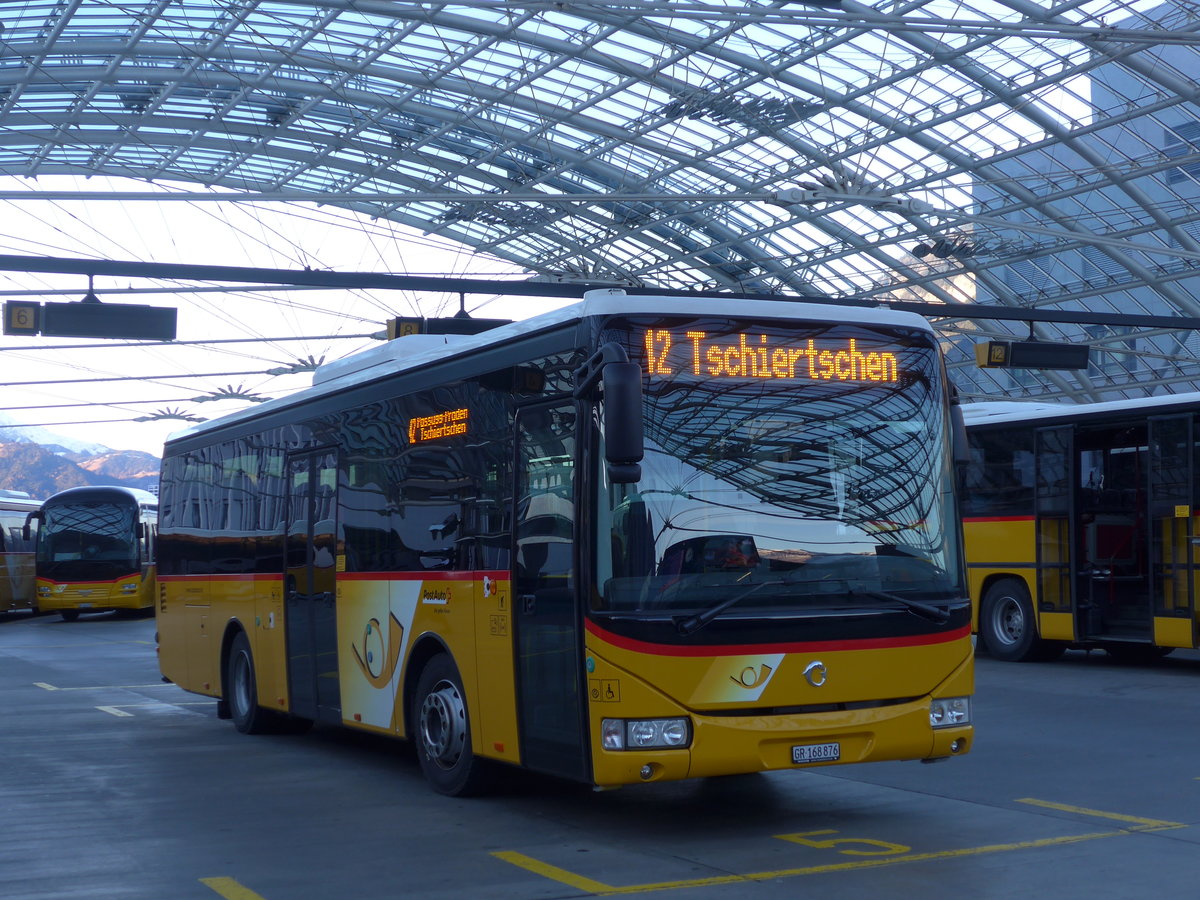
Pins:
x: 731, y: 745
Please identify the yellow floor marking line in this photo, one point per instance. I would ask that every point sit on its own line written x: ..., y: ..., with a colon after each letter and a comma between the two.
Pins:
x: 103, y: 687
x: 230, y: 889
x: 1101, y: 814
x: 876, y: 848
x: 554, y: 873
x: 596, y: 887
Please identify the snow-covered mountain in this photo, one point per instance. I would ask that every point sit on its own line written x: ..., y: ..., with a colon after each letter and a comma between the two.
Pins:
x: 40, y: 463
x: 46, y: 438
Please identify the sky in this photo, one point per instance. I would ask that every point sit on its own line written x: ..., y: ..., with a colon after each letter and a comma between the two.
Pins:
x: 94, y: 391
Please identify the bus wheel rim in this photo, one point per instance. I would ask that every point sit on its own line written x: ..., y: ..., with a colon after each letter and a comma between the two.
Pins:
x: 241, y: 683
x: 1009, y: 620
x: 444, y: 724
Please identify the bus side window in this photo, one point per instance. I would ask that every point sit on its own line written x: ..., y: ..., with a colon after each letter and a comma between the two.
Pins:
x: 999, y: 479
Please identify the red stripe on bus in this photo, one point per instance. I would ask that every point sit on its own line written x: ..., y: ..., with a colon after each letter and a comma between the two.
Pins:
x: 916, y: 640
x: 107, y: 581
x: 466, y: 575
x: 237, y: 576
x: 351, y: 576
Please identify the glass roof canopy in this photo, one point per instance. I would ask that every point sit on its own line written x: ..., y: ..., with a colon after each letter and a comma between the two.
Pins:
x: 1041, y: 155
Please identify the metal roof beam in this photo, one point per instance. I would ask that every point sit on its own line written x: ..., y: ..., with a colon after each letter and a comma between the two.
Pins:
x: 438, y: 284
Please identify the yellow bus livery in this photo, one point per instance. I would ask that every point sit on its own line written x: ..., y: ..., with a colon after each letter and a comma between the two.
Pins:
x: 95, y: 551
x: 16, y: 551
x: 1079, y: 522
x: 557, y: 545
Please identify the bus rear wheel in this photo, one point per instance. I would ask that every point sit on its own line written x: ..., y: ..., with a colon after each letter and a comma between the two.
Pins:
x: 1006, y: 621
x: 241, y: 689
x: 443, y: 731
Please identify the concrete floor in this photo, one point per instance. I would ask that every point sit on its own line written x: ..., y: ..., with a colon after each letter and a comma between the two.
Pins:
x: 1084, y: 781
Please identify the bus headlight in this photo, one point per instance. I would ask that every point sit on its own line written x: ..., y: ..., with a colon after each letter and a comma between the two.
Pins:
x: 950, y: 711
x: 645, y: 734
x: 129, y: 588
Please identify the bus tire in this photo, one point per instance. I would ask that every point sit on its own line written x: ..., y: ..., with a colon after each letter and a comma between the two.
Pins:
x: 1006, y: 621
x: 69, y: 615
x: 442, y: 731
x: 241, y: 689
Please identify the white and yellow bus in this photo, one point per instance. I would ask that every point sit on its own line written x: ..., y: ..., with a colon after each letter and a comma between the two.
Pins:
x: 95, y: 550
x: 640, y: 538
x: 16, y: 552
x: 1080, y: 526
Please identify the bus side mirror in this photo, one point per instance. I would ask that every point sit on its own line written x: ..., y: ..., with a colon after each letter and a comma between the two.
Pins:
x: 623, y: 443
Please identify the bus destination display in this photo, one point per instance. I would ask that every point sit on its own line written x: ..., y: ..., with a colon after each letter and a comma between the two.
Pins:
x: 441, y: 425
x: 761, y: 356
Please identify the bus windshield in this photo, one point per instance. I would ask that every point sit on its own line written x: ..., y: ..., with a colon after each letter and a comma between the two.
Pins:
x: 80, y: 537
x: 789, y: 469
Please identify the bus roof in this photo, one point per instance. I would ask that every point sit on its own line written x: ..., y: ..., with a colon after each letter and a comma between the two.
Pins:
x: 995, y: 412
x: 91, y: 492
x: 415, y: 351
x: 18, y: 500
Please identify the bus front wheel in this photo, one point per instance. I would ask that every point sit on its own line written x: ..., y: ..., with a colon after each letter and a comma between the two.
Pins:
x: 241, y: 689
x: 1006, y: 621
x: 443, y: 731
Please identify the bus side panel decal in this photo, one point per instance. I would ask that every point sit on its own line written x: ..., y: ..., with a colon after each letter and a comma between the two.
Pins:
x: 374, y: 626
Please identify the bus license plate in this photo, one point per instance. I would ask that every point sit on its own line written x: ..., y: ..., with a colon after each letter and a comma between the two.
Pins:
x: 807, y: 753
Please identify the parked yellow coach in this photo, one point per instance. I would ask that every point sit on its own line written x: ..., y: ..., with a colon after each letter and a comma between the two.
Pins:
x: 16, y: 551
x: 95, y: 550
x: 1080, y: 529
x: 637, y: 539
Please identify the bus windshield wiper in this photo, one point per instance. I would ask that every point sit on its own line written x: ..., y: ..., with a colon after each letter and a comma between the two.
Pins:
x: 924, y: 610
x: 693, y: 623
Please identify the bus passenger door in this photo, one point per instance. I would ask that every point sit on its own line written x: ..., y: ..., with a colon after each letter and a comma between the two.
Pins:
x: 1170, y: 519
x: 548, y: 639
x: 309, y: 586
x: 1061, y: 606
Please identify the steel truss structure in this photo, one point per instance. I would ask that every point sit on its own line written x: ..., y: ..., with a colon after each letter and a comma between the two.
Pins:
x: 1038, y: 154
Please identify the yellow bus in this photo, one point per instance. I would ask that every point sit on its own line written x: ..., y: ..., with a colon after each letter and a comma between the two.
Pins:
x: 16, y: 551
x: 1079, y: 526
x: 637, y: 539
x: 95, y: 550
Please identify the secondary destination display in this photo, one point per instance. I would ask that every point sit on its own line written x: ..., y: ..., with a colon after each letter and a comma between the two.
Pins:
x: 444, y: 424
x: 762, y: 356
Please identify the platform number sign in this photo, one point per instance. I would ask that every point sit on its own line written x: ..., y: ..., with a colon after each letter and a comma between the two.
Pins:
x: 22, y: 317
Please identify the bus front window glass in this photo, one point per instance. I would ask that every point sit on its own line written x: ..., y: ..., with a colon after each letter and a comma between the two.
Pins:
x: 798, y: 494
x: 89, y: 533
